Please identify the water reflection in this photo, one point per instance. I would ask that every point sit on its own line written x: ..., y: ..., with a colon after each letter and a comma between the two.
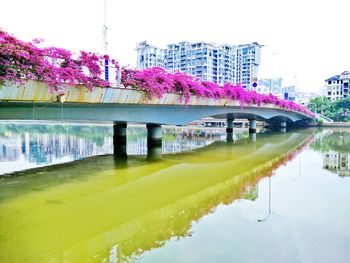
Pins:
x: 337, y: 162
x: 24, y: 146
x: 335, y: 146
x: 30, y: 145
x: 110, y: 209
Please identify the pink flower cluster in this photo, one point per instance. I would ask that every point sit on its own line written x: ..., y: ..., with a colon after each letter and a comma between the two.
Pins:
x: 57, y: 66
x: 156, y: 82
x: 60, y: 69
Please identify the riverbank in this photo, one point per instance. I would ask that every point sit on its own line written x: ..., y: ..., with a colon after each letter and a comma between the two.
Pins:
x: 331, y: 124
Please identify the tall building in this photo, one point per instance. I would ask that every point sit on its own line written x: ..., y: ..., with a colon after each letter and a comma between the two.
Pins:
x: 248, y: 61
x: 337, y: 87
x: 210, y: 62
x: 149, y: 56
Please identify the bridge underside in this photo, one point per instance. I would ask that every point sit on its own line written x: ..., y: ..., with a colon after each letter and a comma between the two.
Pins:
x: 124, y: 113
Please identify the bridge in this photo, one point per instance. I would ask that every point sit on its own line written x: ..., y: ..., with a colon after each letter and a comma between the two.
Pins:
x: 32, y: 100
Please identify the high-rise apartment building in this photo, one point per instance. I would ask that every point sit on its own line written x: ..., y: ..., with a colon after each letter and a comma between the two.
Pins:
x: 337, y: 87
x: 149, y: 56
x: 216, y: 63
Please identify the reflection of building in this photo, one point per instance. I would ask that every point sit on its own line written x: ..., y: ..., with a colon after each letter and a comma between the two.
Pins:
x: 46, y: 148
x: 10, y: 148
x: 337, y: 162
x: 176, y: 140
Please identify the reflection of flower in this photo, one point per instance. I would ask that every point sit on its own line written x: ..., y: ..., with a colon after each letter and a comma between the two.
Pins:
x: 178, y: 219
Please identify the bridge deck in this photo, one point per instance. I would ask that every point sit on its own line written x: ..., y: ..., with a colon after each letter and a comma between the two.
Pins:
x: 33, y: 100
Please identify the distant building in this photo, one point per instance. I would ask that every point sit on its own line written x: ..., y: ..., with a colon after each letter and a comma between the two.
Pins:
x: 149, y: 56
x: 337, y: 87
x: 303, y: 98
x: 209, y: 62
x: 270, y: 85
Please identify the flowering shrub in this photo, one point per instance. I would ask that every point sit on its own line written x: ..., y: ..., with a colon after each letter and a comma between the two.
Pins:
x: 60, y: 68
x: 156, y: 82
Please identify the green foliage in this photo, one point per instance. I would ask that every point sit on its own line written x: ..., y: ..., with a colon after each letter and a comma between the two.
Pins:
x: 338, y: 141
x: 320, y: 104
x: 319, y: 122
x: 342, y: 108
x: 338, y: 110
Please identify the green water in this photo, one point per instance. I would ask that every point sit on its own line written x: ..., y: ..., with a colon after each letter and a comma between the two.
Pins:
x: 274, y: 200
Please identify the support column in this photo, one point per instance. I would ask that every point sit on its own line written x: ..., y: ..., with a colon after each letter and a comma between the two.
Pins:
x: 229, y: 125
x: 229, y: 130
x: 252, y: 126
x: 283, y: 126
x: 120, y: 162
x: 267, y: 127
x: 154, y: 152
x: 252, y: 137
x: 154, y: 141
x: 154, y: 134
x: 119, y: 139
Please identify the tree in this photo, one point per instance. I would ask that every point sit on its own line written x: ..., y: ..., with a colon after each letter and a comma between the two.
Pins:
x: 320, y: 104
x: 342, y: 107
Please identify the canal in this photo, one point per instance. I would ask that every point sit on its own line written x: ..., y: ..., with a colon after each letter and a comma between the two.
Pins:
x: 198, y: 198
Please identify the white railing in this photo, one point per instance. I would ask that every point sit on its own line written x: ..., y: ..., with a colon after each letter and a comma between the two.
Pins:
x: 324, y: 118
x: 114, y: 75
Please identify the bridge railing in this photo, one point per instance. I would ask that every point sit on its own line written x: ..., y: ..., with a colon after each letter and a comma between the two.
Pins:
x: 112, y: 75
x: 323, y: 117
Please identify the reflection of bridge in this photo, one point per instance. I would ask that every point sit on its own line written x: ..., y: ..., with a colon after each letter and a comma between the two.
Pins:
x: 28, y: 146
x: 33, y: 101
x: 165, y: 202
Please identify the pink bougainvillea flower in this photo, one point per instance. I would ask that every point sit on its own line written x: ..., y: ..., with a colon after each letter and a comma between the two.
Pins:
x: 60, y: 68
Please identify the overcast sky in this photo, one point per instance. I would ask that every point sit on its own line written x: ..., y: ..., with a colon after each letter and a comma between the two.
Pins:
x: 306, y: 41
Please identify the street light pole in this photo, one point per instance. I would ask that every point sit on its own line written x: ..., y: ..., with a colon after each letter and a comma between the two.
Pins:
x: 105, y: 42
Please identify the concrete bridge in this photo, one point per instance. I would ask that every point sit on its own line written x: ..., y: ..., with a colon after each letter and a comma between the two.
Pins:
x: 32, y: 100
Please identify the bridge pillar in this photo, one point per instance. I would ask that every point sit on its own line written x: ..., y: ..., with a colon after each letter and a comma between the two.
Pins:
x: 154, y: 134
x: 252, y: 126
x: 252, y: 137
x: 229, y: 130
x: 229, y: 125
x: 154, y: 152
x: 119, y: 139
x: 283, y: 126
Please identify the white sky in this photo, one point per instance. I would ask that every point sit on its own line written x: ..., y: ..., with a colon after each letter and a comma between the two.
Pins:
x: 309, y: 38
